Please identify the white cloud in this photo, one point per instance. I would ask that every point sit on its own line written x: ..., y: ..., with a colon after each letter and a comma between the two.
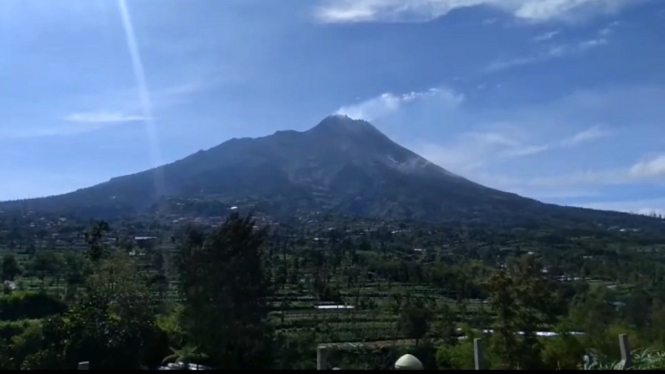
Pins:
x: 562, y: 50
x: 125, y: 106
x: 180, y: 93
x: 563, y: 183
x: 343, y: 11
x: 457, y: 158
x: 591, y: 43
x: 651, y: 168
x: 388, y: 103
x: 515, y: 62
x: 609, y: 29
x: 546, y: 36
x: 541, y: 150
x: 527, y: 150
x: 492, y: 138
x: 471, y: 150
x: 645, y: 207
x: 487, y: 147
x: 551, y: 53
x: 593, y: 133
x: 103, y: 117
x: 619, y: 176
x: 585, y: 178
x: 69, y: 128
x: 480, y: 144
x: 572, y: 189
x: 563, y: 194
x: 72, y: 124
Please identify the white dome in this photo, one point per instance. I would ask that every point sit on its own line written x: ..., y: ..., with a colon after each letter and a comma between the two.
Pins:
x: 408, y: 362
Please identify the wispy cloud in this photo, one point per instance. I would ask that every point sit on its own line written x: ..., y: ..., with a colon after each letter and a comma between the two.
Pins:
x: 103, y: 117
x: 561, y: 151
x: 480, y: 144
x: 121, y: 107
x: 490, y: 147
x: 470, y: 151
x: 601, y: 38
x: 593, y: 133
x: 492, y: 138
x: 388, y: 103
x: 609, y: 29
x: 583, y: 178
x: 644, y: 206
x: 183, y: 92
x: 551, y: 53
x: 545, y: 37
x: 527, y: 150
x: 566, y: 184
x: 59, y: 129
x: 654, y: 167
x: 515, y: 62
x: 347, y: 11
x: 588, y: 44
x: 583, y: 189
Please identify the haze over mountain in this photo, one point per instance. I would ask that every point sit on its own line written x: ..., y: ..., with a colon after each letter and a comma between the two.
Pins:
x: 341, y: 165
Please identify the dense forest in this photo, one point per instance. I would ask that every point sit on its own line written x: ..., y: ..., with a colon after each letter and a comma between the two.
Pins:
x: 245, y: 292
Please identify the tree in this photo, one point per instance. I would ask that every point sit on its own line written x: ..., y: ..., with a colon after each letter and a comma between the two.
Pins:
x: 31, y: 250
x: 41, y: 265
x: 10, y: 268
x: 160, y: 282
x: 444, y: 326
x: 75, y: 268
x: 94, y: 238
x: 56, y: 267
x: 110, y: 325
x: 415, y: 319
x: 564, y: 351
x: 48, y: 263
x: 522, y: 301
x: 225, y: 287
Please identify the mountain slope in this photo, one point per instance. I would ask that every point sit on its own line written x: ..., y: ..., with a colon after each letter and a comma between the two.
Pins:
x: 341, y: 165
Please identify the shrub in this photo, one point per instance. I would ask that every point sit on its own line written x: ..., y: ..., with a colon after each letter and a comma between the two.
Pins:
x: 29, y: 305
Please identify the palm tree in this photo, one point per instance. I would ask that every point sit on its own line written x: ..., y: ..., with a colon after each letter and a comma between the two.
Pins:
x: 184, y: 355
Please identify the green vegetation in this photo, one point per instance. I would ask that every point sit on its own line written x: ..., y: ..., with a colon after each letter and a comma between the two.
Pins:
x: 140, y: 293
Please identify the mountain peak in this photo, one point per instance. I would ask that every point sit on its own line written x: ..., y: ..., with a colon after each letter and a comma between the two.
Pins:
x: 340, y: 123
x: 341, y: 164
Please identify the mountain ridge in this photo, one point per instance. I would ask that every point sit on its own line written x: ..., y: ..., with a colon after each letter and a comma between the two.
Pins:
x: 341, y: 165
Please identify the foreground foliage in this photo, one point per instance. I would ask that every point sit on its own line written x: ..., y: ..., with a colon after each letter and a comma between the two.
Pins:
x: 240, y: 295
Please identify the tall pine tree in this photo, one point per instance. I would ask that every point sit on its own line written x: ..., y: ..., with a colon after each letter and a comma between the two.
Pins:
x: 225, y: 288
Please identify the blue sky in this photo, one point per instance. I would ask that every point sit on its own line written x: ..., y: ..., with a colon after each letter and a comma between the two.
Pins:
x: 560, y: 100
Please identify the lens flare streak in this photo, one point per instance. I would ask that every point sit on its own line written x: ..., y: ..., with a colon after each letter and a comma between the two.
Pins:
x: 144, y: 97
